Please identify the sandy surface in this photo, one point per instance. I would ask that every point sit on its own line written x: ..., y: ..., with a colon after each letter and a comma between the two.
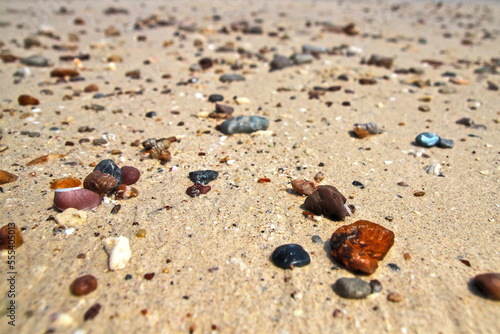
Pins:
x: 237, y: 225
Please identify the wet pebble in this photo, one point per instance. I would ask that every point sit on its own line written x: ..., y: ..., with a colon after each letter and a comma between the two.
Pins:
x: 130, y: 175
x: 359, y: 246
x: 9, y: 239
x: 83, y: 285
x: 244, y: 124
x: 327, y: 201
x: 108, y: 166
x: 352, y: 288
x: 427, y: 139
x: 197, y: 190
x: 489, y: 283
x: 203, y: 176
x: 215, y: 98
x: 27, y: 100
x: 290, y: 256
x: 231, y: 77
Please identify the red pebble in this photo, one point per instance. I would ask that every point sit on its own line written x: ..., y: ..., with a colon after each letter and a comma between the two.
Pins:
x: 197, y: 189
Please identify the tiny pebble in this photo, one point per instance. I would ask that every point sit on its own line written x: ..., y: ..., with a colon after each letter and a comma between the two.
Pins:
x: 244, y: 124
x: 375, y: 285
x: 419, y: 193
x: 203, y: 176
x: 151, y: 114
x: 215, y: 98
x: 358, y: 184
x: 317, y: 239
x: 445, y: 143
x: 394, y: 267
x: 141, y: 233
x: 83, y: 285
x: 352, y: 288
x: 395, y: 297
x: 231, y: 77
x: 290, y: 256
x: 92, y: 312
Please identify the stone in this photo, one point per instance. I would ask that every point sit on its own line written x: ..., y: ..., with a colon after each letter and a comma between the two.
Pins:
x: 468, y: 122
x: 244, y: 124
x: 119, y: 252
x: 395, y: 297
x: 83, y: 285
x: 367, y: 129
x: 67, y: 182
x: 359, y: 246
x: 197, y: 189
x: 27, y: 100
x: 307, y: 48
x: 224, y: 109
x: 35, y: 60
x: 489, y: 284
x: 125, y: 192
x: 317, y: 239
x: 203, y: 176
x: 108, y: 166
x: 151, y: 114
x: 71, y: 217
x: 280, y: 62
x: 231, y: 77
x: 302, y: 58
x: 427, y: 139
x: 352, y: 288
x: 375, y: 285
x: 130, y: 175
x: 327, y: 201
x: 6, y: 177
x: 78, y: 198
x: 303, y: 187
x: 91, y: 88
x: 433, y: 169
x: 10, y: 237
x: 63, y: 72
x: 447, y: 90
x: 92, y: 312
x: 319, y: 177
x: 380, y: 61
x: 445, y: 143
x: 289, y: 256
x: 215, y: 98
x: 100, y: 183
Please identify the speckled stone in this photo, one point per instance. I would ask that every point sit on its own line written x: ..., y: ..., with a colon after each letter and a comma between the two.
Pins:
x: 244, y: 124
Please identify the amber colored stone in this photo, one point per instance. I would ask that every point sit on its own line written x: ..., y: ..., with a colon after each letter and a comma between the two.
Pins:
x: 101, y: 183
x: 91, y: 88
x: 126, y: 192
x: 67, y: 182
x: 27, y: 100
x: 11, y: 233
x: 264, y: 180
x: 359, y: 246
x: 45, y: 159
x: 83, y: 285
x: 63, y: 72
x: 490, y: 284
x: 303, y: 187
x: 6, y: 177
x: 327, y: 201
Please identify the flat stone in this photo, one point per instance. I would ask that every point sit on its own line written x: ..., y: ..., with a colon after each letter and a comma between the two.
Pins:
x: 35, y: 60
x: 445, y: 143
x: 490, y: 284
x: 327, y: 201
x: 306, y: 48
x: 302, y: 58
x: 244, y: 124
x: 359, y: 246
x: 215, y: 98
x: 352, y: 288
x: 231, y: 77
x: 203, y: 176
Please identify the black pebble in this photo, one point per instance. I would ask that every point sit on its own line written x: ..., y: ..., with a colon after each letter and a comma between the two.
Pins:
x: 151, y: 114
x: 127, y: 277
x: 108, y: 166
x: 215, y: 98
x: 203, y: 176
x: 358, y: 184
x: 375, y: 285
x: 289, y: 256
x: 394, y: 267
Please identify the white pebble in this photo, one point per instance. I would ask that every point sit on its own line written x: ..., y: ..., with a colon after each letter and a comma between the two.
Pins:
x: 69, y: 231
x: 119, y: 252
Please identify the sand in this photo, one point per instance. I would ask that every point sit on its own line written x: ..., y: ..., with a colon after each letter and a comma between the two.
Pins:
x: 210, y: 254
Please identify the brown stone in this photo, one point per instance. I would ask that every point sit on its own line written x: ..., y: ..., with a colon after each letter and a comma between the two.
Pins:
x: 101, y: 183
x: 45, y: 159
x: 27, y: 100
x: 303, y: 187
x: 327, y: 201
x: 125, y: 192
x: 395, y: 297
x: 359, y: 246
x: 67, y: 182
x: 490, y: 284
x: 91, y: 88
x: 11, y: 233
x: 6, y: 177
x: 63, y: 72
x: 83, y: 285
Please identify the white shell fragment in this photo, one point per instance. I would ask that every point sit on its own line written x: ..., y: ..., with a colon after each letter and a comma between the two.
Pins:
x: 119, y: 252
x: 433, y: 169
x: 71, y: 217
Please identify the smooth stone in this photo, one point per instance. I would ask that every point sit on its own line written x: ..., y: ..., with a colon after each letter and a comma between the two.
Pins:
x: 352, y: 288
x: 302, y: 58
x: 35, y: 60
x: 279, y: 62
x: 375, y: 285
x: 9, y: 233
x: 83, y: 285
x: 78, y: 198
x: 119, y: 252
x: 244, y: 124
x: 490, y: 284
x: 427, y: 139
x: 317, y: 239
x: 303, y: 187
x: 327, y: 201
x: 203, y: 176
x: 445, y: 143
x: 290, y: 256
x: 215, y: 98
x: 130, y: 175
x: 313, y: 48
x: 151, y: 114
x: 447, y: 90
x: 108, y: 166
x: 231, y: 77
x: 359, y: 246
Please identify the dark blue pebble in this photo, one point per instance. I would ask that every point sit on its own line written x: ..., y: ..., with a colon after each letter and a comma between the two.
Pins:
x: 108, y: 166
x: 203, y: 176
x: 445, y: 143
x: 289, y: 256
x: 215, y: 98
x: 427, y: 139
x: 244, y: 124
x: 98, y: 95
x: 151, y: 114
x: 394, y: 267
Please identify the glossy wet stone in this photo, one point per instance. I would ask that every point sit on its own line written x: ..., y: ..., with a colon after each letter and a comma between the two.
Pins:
x: 445, y: 143
x: 108, y: 166
x: 427, y: 139
x: 203, y: 176
x: 197, y: 190
x: 83, y: 285
x: 327, y: 201
x: 303, y: 187
x: 101, y: 183
x: 359, y: 246
x: 290, y: 256
x: 10, y: 237
x: 231, y: 77
x: 490, y: 284
x: 215, y: 98
x: 244, y: 124
x: 130, y: 175
x: 352, y: 288
x: 78, y: 198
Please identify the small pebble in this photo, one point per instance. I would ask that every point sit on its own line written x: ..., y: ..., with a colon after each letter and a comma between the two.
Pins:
x: 317, y: 239
x: 433, y: 169
x: 203, y: 176
x: 308, y: 48
x: 231, y: 77
x: 130, y: 175
x: 358, y: 184
x: 35, y: 60
x: 375, y: 285
x: 427, y: 139
x: 490, y: 284
x: 141, y: 233
x: 108, y: 166
x: 395, y: 297
x: 13, y: 232
x: 92, y: 312
x: 244, y: 124
x: 100, y: 183
x: 83, y: 285
x: 419, y: 193
x: 279, y: 62
x: 447, y: 90
x: 151, y: 114
x: 352, y: 288
x: 215, y: 98
x: 119, y: 252
x: 394, y: 267
x: 327, y: 201
x: 319, y: 177
x: 445, y: 143
x: 302, y: 58
x: 367, y: 129
x: 197, y: 189
x: 290, y: 256
x: 27, y: 100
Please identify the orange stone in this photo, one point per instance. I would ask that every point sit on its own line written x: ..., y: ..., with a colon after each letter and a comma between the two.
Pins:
x: 45, y: 159
x: 359, y: 246
x: 27, y: 100
x: 10, y: 233
x: 303, y: 187
x: 6, y: 177
x: 91, y: 88
x: 67, y: 182
x: 63, y: 72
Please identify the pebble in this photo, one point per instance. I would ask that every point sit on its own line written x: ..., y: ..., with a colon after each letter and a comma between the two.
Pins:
x: 327, y: 201
x: 367, y: 129
x: 125, y: 192
x: 71, y: 217
x: 289, y: 256
x: 433, y: 169
x: 319, y: 177
x: 27, y: 100
x: 394, y: 267
x: 203, y: 176
x: 317, y: 239
x: 92, y: 312
x: 215, y: 98
x: 231, y: 77
x: 244, y: 124
x: 395, y: 297
x: 5, y: 233
x: 303, y: 187
x: 489, y: 283
x: 358, y: 184
x: 302, y: 58
x: 445, y: 143
x: 197, y: 190
x: 280, y: 62
x: 100, y: 183
x: 427, y: 139
x: 375, y: 285
x: 63, y: 72
x: 468, y: 122
x: 151, y: 114
x: 380, y: 61
x: 67, y: 182
x: 108, y: 166
x: 359, y: 246
x: 83, y: 285
x: 119, y: 252
x: 130, y: 175
x: 306, y: 48
x: 35, y: 60
x: 6, y: 177
x: 91, y: 88
x: 78, y: 198
x: 447, y: 90
x: 352, y: 288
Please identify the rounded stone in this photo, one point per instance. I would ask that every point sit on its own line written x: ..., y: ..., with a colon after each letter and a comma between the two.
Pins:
x: 289, y: 256
x: 352, y: 288
x: 203, y: 176
x: 427, y: 139
x: 244, y: 124
x: 445, y: 143
x: 83, y: 285
x: 215, y: 98
x: 490, y: 284
x: 130, y: 175
x: 108, y: 166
